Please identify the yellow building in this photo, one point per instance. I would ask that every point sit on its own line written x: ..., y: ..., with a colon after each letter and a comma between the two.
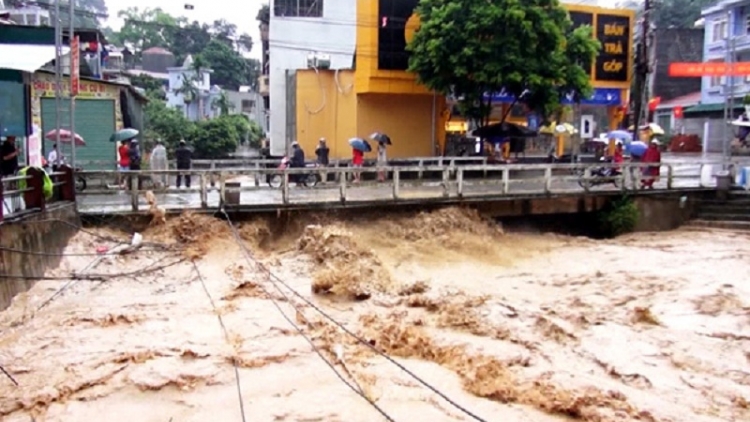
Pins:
x: 379, y: 95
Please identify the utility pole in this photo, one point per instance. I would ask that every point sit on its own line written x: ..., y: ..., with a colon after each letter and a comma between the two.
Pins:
x: 58, y: 74
x: 641, y: 68
x: 73, y: 80
x: 728, y: 88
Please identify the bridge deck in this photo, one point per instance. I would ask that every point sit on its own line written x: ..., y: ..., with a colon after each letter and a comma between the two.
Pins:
x: 500, y: 182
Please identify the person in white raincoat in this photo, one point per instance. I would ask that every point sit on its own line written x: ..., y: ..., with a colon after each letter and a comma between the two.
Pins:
x: 158, y: 161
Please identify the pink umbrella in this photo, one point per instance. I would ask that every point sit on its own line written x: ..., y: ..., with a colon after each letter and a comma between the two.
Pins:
x: 64, y: 137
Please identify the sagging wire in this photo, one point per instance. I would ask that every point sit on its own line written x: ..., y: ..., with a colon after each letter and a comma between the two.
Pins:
x: 275, y: 279
x: 356, y: 389
x: 322, y: 92
x: 10, y: 377
x: 63, y: 254
x: 226, y: 336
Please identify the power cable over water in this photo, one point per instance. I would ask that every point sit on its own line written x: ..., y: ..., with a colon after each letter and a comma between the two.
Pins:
x: 226, y: 336
x: 353, y: 385
x: 275, y: 281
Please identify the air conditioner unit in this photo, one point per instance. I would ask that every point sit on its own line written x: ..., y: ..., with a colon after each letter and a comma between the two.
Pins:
x: 318, y: 61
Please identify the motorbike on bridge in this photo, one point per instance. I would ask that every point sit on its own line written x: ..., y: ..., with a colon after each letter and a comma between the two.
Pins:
x: 309, y: 180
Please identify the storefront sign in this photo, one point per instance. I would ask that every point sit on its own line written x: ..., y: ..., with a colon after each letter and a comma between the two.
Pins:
x: 697, y: 70
x: 613, y: 32
x: 86, y: 89
x: 601, y: 96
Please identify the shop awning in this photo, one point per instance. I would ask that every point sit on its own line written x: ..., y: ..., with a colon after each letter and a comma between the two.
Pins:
x: 25, y: 57
x: 709, y: 108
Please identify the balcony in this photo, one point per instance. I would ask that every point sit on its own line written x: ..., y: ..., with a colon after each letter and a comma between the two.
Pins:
x: 263, y: 85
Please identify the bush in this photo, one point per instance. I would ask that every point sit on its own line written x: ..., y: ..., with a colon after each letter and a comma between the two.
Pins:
x: 215, y: 138
x: 618, y: 217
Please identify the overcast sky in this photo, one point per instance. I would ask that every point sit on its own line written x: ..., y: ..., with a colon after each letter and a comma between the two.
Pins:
x: 239, y: 12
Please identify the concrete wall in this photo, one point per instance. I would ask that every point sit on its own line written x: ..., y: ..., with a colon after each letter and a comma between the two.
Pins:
x: 33, y: 234
x: 291, y: 40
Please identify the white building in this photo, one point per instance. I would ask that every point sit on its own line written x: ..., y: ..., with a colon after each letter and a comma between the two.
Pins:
x: 25, y: 15
x: 250, y: 103
x: 197, y: 105
x: 298, y: 29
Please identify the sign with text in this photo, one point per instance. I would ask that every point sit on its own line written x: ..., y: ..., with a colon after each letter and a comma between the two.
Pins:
x: 86, y: 89
x: 614, y: 34
x: 34, y: 147
x: 698, y: 70
x: 75, y: 65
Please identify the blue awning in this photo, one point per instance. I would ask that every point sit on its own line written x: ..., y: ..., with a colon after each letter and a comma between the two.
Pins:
x: 601, y: 96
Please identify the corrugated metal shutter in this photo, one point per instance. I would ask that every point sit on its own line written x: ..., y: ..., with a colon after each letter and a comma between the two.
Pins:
x: 95, y: 122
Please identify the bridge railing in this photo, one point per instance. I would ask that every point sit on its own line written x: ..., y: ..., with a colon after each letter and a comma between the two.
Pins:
x: 402, y: 183
x: 24, y: 194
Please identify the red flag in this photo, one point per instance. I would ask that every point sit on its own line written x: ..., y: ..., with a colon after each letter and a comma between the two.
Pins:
x: 653, y: 103
x: 678, y: 112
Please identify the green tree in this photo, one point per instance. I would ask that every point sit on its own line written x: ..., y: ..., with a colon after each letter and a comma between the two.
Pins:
x: 166, y: 123
x: 222, y: 104
x: 256, y: 135
x: 230, y: 70
x: 264, y: 14
x: 215, y: 138
x: 154, y: 88
x: 147, y: 28
x: 470, y: 48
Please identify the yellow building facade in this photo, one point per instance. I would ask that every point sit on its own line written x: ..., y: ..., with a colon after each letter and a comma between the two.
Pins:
x: 380, y: 95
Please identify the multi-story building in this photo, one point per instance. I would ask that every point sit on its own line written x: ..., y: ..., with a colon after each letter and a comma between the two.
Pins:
x: 338, y: 69
x: 191, y: 93
x: 726, y: 38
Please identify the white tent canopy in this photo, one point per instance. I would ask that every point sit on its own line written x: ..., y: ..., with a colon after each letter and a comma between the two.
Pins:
x: 25, y: 57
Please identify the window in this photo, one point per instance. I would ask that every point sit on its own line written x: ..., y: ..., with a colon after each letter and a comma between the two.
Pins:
x: 719, y: 30
x: 247, y: 106
x: 298, y: 8
x: 717, y: 81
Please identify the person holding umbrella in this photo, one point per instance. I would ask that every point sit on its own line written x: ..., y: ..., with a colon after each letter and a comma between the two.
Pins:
x: 382, y: 140
x: 359, y: 147
x: 134, y: 155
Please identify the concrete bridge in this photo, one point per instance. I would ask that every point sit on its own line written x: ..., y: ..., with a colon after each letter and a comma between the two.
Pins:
x: 418, y: 182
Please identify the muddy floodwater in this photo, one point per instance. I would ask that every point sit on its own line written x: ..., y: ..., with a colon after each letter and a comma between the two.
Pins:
x: 508, y: 326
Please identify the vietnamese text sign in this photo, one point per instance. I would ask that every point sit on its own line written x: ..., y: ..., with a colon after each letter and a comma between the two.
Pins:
x: 697, y: 70
x: 34, y: 147
x: 613, y: 32
x: 86, y: 89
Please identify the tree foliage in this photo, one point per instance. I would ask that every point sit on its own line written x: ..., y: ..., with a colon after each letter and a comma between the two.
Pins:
x: 470, y: 48
x: 215, y: 138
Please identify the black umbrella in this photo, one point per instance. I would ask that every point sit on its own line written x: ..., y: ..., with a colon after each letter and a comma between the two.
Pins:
x: 505, y: 130
x: 381, y: 138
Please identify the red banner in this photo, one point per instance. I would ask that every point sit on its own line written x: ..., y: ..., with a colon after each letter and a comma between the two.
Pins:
x: 697, y: 70
x: 75, y: 63
x: 678, y: 112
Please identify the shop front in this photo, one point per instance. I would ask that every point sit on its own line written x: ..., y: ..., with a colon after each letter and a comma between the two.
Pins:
x: 97, y: 115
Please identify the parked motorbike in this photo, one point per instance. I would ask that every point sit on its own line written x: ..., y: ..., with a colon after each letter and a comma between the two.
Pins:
x: 603, y: 175
x: 309, y: 180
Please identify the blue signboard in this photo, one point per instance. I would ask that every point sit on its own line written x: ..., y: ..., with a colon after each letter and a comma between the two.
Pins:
x: 601, y: 96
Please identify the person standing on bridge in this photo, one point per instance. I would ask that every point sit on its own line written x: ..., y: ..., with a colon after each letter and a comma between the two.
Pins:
x: 322, y: 158
x: 651, y: 173
x: 134, y: 156
x: 184, y: 158
x: 158, y: 161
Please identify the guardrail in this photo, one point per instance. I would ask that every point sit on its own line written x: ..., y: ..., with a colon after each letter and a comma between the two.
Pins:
x: 452, y: 182
x: 24, y: 194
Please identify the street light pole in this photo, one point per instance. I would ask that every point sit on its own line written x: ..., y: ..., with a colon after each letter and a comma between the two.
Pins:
x: 641, y: 69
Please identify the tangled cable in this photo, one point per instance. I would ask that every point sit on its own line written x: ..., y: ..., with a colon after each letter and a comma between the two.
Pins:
x: 275, y: 280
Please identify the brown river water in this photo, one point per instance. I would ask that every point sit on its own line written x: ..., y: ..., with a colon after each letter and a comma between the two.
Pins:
x: 510, y: 326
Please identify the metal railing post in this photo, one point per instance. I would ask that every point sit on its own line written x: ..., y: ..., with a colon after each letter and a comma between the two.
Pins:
x: 285, y: 187
x: 343, y: 175
x: 506, y: 180
x: 460, y: 182
x: 586, y: 179
x: 548, y: 180
x: 222, y: 188
x: 134, y: 190
x: 257, y: 174
x: 700, y: 175
x: 446, y: 183
x: 396, y: 182
x: 204, y: 190
x: 669, y: 176
x: 2, y: 201
x: 420, y: 173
